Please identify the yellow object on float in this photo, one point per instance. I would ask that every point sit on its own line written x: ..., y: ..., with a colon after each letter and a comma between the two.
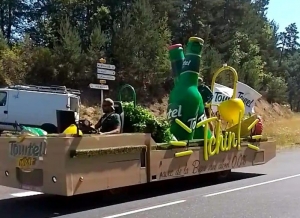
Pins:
x: 229, y: 110
x: 253, y: 147
x: 72, y: 130
x: 178, y: 143
x: 183, y: 153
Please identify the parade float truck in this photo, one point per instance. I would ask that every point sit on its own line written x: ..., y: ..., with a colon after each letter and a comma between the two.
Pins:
x: 71, y: 163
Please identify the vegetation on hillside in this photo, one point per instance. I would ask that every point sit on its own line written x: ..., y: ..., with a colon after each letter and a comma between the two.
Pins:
x: 59, y: 42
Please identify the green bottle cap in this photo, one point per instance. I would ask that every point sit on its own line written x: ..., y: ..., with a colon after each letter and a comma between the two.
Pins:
x: 174, y: 46
x: 194, y: 46
x: 196, y: 39
x: 176, y: 52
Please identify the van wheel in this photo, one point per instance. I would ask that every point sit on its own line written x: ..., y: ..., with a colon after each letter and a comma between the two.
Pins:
x: 49, y: 128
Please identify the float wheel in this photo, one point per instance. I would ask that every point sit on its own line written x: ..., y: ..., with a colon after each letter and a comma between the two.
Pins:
x: 118, y: 191
x: 223, y: 174
x: 220, y: 176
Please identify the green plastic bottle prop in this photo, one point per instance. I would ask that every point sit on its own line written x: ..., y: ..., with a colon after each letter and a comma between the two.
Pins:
x: 205, y: 93
x: 176, y: 57
x: 186, y: 98
x: 34, y: 131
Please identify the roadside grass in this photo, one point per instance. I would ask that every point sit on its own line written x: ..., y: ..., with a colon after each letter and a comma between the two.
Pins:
x: 286, y: 131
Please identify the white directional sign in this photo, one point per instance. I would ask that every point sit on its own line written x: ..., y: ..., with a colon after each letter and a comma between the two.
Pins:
x: 105, y: 77
x: 98, y: 86
x: 106, y: 72
x: 106, y: 66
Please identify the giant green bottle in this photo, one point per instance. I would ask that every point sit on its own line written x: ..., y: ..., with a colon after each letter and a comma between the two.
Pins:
x: 186, y: 98
x: 176, y: 57
x: 206, y: 95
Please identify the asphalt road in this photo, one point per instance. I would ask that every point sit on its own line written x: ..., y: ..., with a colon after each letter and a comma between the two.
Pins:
x: 266, y: 191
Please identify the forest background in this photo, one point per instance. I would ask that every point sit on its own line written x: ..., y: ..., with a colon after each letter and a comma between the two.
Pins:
x: 59, y: 42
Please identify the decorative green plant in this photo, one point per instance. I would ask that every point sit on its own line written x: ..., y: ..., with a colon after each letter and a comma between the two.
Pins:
x: 139, y: 119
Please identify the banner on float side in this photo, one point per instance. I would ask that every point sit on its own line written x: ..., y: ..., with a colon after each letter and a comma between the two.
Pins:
x: 243, y: 91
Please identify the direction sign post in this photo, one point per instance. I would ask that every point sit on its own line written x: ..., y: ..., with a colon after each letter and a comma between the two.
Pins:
x: 105, y: 77
x: 106, y: 66
x: 107, y: 72
x: 104, y: 72
x: 99, y: 86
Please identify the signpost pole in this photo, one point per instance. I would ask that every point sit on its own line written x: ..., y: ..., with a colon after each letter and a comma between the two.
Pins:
x: 102, y: 61
x: 104, y: 72
x: 101, y: 97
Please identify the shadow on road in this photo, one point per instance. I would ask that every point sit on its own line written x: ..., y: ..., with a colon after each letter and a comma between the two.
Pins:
x: 46, y: 206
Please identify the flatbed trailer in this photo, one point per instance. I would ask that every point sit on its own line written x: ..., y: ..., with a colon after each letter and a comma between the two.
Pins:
x: 70, y: 165
x: 67, y: 165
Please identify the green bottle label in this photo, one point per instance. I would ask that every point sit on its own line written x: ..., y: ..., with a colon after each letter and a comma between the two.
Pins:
x: 177, y: 111
x: 193, y: 55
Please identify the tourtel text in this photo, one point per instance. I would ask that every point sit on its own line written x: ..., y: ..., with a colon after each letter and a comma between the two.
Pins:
x: 31, y: 150
x: 174, y: 113
x: 186, y: 63
x: 246, y: 101
x: 220, y: 97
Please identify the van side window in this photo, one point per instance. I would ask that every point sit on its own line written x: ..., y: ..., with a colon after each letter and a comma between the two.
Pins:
x: 74, y: 104
x: 3, y: 98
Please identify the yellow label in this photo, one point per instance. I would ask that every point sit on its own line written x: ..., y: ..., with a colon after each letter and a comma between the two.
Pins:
x: 26, y: 162
x: 102, y: 81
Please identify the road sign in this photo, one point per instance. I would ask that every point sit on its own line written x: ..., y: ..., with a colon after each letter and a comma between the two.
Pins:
x: 106, y: 66
x: 98, y: 86
x: 106, y: 72
x: 105, y: 77
x: 102, y: 81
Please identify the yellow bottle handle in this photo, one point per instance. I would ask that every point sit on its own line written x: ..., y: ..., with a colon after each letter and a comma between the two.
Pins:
x: 235, y: 78
x: 216, y: 74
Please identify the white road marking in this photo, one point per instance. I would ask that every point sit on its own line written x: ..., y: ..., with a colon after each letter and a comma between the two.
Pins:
x: 145, y: 209
x: 26, y: 194
x: 251, y: 186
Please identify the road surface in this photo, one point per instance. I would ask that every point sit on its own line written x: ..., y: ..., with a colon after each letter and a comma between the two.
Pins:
x: 267, y: 191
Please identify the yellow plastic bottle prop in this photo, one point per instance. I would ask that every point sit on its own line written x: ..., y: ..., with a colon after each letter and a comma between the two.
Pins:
x: 230, y: 109
x: 72, y: 130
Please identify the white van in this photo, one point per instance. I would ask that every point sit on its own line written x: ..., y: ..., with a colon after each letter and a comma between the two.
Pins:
x: 36, y: 106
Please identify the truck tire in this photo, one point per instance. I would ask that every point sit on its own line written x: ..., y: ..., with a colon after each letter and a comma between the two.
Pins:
x: 115, y: 194
x: 49, y: 128
x: 221, y: 175
x: 119, y: 191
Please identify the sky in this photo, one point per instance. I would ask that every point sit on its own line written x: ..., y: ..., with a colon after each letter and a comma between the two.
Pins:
x: 284, y: 12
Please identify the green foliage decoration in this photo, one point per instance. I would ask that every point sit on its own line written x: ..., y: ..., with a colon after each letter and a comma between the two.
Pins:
x: 140, y: 119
